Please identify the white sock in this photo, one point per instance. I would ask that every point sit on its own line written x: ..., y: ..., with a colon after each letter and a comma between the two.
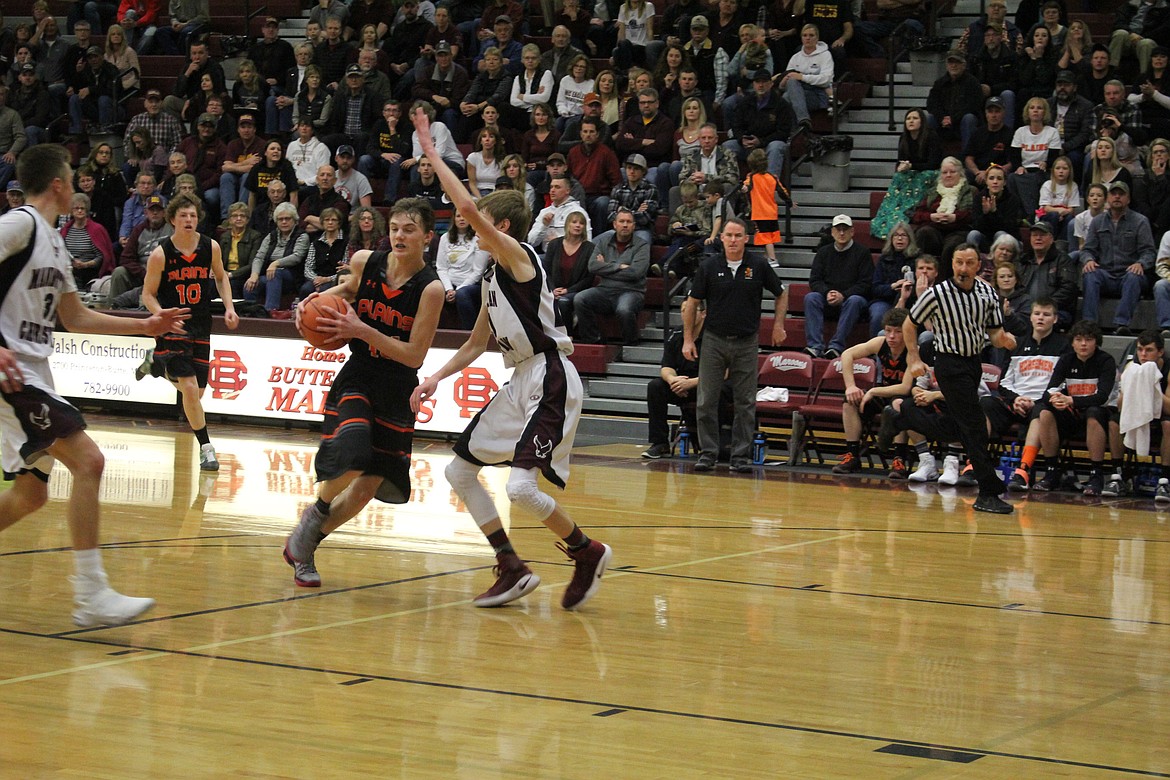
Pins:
x: 88, y: 565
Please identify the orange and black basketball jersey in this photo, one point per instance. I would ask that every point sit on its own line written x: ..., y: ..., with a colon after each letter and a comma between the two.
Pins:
x: 187, y: 282
x: 387, y: 310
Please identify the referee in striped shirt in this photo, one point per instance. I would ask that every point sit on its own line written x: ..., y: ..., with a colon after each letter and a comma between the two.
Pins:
x: 964, y: 310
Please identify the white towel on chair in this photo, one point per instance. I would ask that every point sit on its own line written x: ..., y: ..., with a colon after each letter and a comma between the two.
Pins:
x: 778, y: 394
x: 1142, y: 404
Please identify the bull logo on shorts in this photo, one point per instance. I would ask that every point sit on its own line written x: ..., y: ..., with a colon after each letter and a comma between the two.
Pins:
x: 41, y: 419
x: 543, y: 448
x: 473, y: 390
x: 226, y: 374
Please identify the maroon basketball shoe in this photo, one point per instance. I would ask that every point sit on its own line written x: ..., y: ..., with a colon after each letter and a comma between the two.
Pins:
x: 513, y: 580
x: 589, y: 564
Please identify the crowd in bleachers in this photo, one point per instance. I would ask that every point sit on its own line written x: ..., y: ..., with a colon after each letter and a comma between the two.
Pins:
x: 634, y: 132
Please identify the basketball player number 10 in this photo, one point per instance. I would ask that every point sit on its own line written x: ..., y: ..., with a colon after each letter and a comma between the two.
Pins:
x: 189, y: 294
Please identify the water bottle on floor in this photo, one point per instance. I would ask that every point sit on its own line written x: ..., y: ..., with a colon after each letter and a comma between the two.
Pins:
x: 759, y: 448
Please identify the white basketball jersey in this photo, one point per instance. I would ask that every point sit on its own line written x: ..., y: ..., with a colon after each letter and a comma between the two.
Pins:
x: 34, y: 273
x: 522, y: 315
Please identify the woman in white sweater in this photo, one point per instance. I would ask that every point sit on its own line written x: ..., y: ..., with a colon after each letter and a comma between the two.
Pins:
x: 532, y: 85
x: 460, y: 264
x: 808, y: 81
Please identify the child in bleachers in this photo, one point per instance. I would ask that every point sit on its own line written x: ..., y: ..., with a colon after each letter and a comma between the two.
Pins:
x: 765, y: 192
x: 1095, y: 201
x: 1060, y: 197
x: 720, y: 212
x: 689, y: 225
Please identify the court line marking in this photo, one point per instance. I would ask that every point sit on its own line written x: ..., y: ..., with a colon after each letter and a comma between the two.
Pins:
x: 633, y: 708
x: 336, y: 624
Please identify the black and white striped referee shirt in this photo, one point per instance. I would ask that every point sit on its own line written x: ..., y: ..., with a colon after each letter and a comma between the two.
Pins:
x: 959, y: 318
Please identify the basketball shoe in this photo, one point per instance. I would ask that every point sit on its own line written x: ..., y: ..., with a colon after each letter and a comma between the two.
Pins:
x: 301, y: 546
x: 513, y: 580
x: 589, y: 564
x: 97, y: 604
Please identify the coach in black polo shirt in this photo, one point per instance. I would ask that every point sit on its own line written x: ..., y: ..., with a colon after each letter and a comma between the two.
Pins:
x: 733, y: 286
x: 962, y: 310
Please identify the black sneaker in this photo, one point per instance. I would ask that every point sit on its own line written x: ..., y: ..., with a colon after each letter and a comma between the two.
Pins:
x: 993, y: 504
x: 831, y: 353
x: 1095, y: 484
x: 1019, y: 481
x: 812, y: 352
x: 657, y: 451
x: 1051, y: 482
x: 1114, y: 486
x: 706, y: 462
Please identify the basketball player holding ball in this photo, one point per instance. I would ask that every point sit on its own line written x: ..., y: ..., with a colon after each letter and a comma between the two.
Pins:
x: 368, y: 429
x: 186, y: 270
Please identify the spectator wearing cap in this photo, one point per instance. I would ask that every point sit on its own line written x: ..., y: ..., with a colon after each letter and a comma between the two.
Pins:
x: 190, y: 19
x: 1072, y: 115
x: 621, y: 263
x: 444, y: 84
x: 387, y: 147
x: 404, y: 46
x: 571, y: 133
x: 272, y: 54
x: 351, y: 183
x: 955, y: 100
x: 14, y: 196
x: 139, y: 18
x: 187, y: 84
x: 30, y: 99
x: 973, y: 37
x: 637, y: 195
x: 549, y: 222
x: 1119, y: 249
x: 995, y: 66
x: 95, y: 100
x: 709, y: 60
x: 241, y: 156
x: 353, y: 113
x: 990, y: 143
x: 1045, y: 271
x: 762, y: 121
x: 502, y: 39
x: 130, y: 270
x: 1140, y: 25
x: 809, y: 76
x: 205, y: 154
x: 163, y: 126
x: 363, y: 12
x: 492, y: 11
x: 840, y: 279
x: 307, y: 153
x: 556, y: 165
x: 1153, y: 93
x: 649, y: 133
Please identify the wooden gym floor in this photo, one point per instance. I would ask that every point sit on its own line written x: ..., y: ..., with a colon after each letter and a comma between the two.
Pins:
x: 773, y: 625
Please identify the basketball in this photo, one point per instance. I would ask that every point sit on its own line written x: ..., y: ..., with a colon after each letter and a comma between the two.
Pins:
x: 309, y: 314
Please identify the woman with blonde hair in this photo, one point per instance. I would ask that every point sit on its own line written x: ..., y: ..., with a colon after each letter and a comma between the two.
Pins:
x: 122, y: 56
x: 1035, y: 145
x: 1106, y: 168
x: 611, y: 103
